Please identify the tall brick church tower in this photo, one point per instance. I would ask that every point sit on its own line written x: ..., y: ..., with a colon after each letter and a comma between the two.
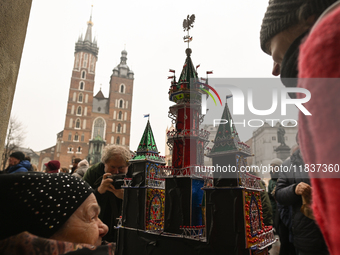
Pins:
x: 93, y: 121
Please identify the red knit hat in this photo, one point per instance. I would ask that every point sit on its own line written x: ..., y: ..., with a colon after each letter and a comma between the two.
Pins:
x: 53, y: 165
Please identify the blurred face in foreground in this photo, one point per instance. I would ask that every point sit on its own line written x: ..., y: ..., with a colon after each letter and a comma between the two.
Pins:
x: 13, y: 161
x: 83, y: 226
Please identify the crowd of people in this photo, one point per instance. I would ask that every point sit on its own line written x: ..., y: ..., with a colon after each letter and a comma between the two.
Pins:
x: 75, y: 210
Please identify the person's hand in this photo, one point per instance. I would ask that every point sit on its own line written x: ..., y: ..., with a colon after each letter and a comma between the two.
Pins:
x: 303, y: 189
x: 118, y: 193
x: 106, y: 185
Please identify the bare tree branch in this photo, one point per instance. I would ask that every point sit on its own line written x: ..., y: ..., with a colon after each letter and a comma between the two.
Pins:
x: 16, y: 134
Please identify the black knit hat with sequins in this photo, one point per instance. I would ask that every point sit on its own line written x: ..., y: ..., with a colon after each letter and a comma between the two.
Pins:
x: 39, y: 203
x: 282, y: 14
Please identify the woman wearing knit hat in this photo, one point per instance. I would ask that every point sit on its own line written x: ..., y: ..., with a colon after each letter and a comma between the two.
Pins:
x: 54, y: 213
x: 319, y: 57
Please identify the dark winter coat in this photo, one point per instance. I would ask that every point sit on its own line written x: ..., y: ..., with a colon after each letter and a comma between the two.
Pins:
x: 110, y: 205
x: 23, y: 166
x: 271, y: 187
x: 266, y: 207
x: 307, y: 235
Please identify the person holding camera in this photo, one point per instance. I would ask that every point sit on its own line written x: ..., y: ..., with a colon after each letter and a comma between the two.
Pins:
x: 101, y: 177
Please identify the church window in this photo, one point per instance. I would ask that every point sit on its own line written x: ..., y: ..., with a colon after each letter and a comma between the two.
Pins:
x: 121, y: 103
x: 74, y: 96
x: 86, y: 98
x: 85, y: 60
x: 79, y: 149
x: 71, y: 123
x: 69, y: 136
x: 83, y: 73
x: 93, y: 61
x: 81, y: 86
x: 119, y: 128
x: 78, y: 123
x: 99, y: 128
x: 77, y: 61
x: 122, y: 88
x: 120, y: 115
x: 72, y: 109
x: 82, y: 137
x: 76, y: 137
x: 80, y: 98
x: 118, y: 140
x: 79, y: 110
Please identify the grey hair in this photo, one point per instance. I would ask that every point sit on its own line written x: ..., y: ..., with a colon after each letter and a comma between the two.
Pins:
x: 114, y: 150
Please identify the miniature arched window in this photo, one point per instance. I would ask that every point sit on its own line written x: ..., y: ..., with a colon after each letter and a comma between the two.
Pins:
x: 120, y: 115
x: 78, y: 123
x: 76, y: 137
x: 81, y: 86
x: 83, y: 73
x: 79, y: 110
x: 118, y: 140
x: 121, y: 102
x: 99, y: 128
x: 119, y: 128
x: 80, y: 98
x: 122, y: 88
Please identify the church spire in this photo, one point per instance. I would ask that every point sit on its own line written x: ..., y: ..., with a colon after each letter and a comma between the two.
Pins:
x: 87, y: 44
x: 88, y: 35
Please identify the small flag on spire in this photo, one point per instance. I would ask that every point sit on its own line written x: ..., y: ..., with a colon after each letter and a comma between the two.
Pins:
x: 185, y: 65
x: 171, y: 70
x: 146, y: 115
x: 170, y: 77
x: 209, y: 72
x: 198, y: 66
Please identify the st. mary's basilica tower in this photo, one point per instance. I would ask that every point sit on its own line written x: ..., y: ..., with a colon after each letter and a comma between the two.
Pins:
x: 93, y: 120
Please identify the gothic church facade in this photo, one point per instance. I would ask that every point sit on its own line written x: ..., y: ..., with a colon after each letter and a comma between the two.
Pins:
x: 93, y: 121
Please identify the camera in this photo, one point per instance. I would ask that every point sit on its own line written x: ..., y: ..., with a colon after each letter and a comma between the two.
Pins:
x: 118, y: 180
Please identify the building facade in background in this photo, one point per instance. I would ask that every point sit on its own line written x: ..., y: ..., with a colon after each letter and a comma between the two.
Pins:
x: 93, y: 120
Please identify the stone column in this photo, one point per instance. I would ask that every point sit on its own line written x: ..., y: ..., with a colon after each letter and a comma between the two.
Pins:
x: 14, y: 16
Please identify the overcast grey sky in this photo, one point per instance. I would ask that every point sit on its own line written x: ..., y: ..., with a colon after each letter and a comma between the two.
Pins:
x: 225, y: 40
